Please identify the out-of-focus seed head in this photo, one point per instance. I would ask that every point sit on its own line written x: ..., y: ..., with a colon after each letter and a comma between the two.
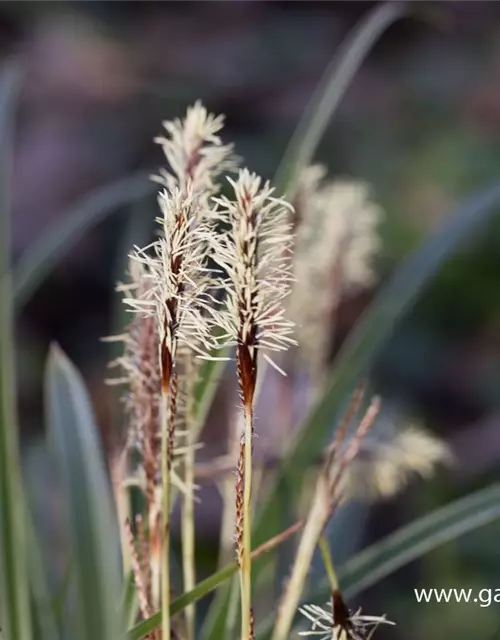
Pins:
x: 336, y: 241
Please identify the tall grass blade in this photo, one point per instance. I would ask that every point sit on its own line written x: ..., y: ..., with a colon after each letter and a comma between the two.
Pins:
x: 330, y: 91
x: 407, y: 544
x: 43, y: 604
x: 88, y: 502
x: 15, y: 618
x: 38, y: 261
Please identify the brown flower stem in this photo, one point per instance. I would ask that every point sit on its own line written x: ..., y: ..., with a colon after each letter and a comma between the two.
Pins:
x: 138, y: 574
x: 227, y: 490
x: 145, y: 554
x: 169, y: 400
x: 251, y: 633
x: 246, y: 596
x: 276, y: 540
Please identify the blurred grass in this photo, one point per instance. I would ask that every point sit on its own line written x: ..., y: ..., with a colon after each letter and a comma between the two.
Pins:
x: 94, y: 537
x: 15, y: 608
x: 447, y: 162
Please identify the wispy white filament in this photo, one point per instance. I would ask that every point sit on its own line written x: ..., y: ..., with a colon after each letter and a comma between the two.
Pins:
x: 324, y: 627
x: 254, y: 254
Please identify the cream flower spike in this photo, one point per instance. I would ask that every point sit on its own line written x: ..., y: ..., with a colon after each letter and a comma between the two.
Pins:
x: 195, y: 152
x: 175, y: 266
x: 336, y: 240
x: 255, y: 255
x: 386, y: 464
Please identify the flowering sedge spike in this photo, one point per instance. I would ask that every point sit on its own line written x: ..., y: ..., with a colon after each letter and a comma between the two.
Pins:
x: 169, y: 296
x: 336, y: 622
x: 254, y: 254
x: 195, y: 152
x: 387, y: 461
x: 336, y: 240
x: 140, y: 372
x: 137, y: 568
x: 196, y: 157
x: 327, y: 496
x: 176, y: 298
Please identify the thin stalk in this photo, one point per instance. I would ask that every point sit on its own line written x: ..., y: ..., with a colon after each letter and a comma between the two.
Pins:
x: 123, y: 509
x: 328, y: 563
x: 312, y: 531
x: 165, y: 546
x: 226, y: 550
x: 211, y: 583
x: 246, y: 596
x: 188, y: 523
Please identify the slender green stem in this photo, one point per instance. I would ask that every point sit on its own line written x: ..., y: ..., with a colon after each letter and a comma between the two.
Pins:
x: 246, y: 595
x: 315, y: 523
x: 328, y: 562
x: 165, y: 546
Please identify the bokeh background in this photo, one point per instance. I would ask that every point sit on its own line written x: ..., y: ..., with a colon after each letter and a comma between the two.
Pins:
x: 420, y: 123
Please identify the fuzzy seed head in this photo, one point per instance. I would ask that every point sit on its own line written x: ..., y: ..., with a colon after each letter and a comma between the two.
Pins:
x: 336, y: 240
x: 178, y: 292
x: 387, y: 461
x: 255, y: 256
x: 195, y: 152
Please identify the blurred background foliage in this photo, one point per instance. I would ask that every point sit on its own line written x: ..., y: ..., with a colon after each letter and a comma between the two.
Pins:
x: 420, y: 122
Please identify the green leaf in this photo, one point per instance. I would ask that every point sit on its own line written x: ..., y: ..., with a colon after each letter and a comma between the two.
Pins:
x: 15, y: 616
x: 407, y: 544
x: 38, y: 261
x: 130, y: 602
x: 88, y: 501
x: 44, y: 610
x: 202, y: 589
x: 330, y: 91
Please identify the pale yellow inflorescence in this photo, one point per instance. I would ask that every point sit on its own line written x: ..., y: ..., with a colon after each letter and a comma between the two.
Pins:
x: 195, y: 152
x: 336, y: 240
x: 255, y: 256
x: 385, y: 465
x: 176, y: 267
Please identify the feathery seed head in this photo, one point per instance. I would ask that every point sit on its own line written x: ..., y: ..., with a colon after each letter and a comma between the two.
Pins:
x: 335, y: 242
x: 195, y: 152
x: 179, y: 281
x: 254, y: 255
x: 141, y: 373
x: 387, y: 461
